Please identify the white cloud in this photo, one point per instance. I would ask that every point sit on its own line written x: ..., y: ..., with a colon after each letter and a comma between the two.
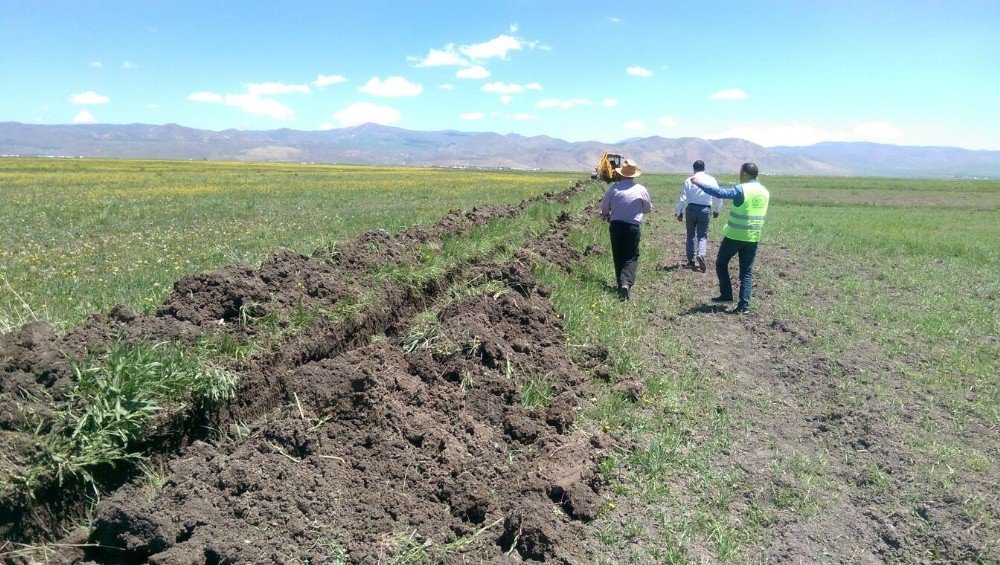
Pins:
x: 522, y: 116
x: 615, y: 20
x: 327, y: 80
x: 391, y: 87
x: 96, y: 64
x: 638, y: 71
x: 129, y: 65
x: 473, y: 72
x: 634, y: 125
x: 499, y: 46
x: 513, y: 28
x: 807, y: 134
x: 502, y: 88
x: 472, y: 116
x: 730, y: 94
x: 89, y: 97
x: 610, y: 102
x: 272, y: 88
x: 506, y: 99
x: 447, y: 86
x: 446, y: 57
x: 366, y: 112
x: 668, y: 121
x: 252, y: 103
x: 326, y: 126
x: 84, y: 117
x: 564, y: 104
x: 153, y: 106
x: 205, y: 97
x: 532, y: 86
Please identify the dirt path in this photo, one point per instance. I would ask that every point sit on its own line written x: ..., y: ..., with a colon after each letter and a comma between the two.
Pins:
x: 830, y: 440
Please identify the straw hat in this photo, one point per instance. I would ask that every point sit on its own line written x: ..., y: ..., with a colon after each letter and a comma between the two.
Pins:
x: 628, y: 169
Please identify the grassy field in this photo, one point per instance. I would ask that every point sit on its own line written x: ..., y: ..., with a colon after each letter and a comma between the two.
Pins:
x: 852, y: 417
x: 79, y: 236
x: 862, y: 390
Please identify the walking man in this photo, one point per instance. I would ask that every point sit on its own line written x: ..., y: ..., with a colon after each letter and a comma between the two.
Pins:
x: 698, y: 204
x: 741, y: 234
x: 623, y: 205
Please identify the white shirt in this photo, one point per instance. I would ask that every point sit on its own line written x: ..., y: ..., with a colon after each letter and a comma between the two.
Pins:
x: 691, y: 194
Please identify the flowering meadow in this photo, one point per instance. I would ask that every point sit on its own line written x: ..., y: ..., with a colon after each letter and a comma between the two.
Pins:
x: 78, y: 236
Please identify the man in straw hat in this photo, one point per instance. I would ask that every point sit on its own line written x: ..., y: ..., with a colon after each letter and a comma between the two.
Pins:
x: 623, y: 205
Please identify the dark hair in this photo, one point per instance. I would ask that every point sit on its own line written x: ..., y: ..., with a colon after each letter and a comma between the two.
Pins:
x: 699, y: 166
x: 750, y: 169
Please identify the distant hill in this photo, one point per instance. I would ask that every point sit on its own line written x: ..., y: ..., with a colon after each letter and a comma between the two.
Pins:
x: 901, y: 160
x: 376, y: 144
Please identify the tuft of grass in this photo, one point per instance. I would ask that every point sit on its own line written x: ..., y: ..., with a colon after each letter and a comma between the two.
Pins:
x: 537, y: 391
x: 15, y: 311
x: 333, y: 551
x: 407, y: 548
x: 426, y: 334
x: 109, y: 410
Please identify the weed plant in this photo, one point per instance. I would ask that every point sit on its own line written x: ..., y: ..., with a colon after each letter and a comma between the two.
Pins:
x: 109, y: 409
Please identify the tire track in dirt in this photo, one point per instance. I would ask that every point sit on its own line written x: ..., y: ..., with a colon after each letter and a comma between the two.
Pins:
x: 843, y: 423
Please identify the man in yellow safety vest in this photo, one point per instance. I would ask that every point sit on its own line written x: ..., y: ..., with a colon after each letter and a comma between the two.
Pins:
x: 741, y: 234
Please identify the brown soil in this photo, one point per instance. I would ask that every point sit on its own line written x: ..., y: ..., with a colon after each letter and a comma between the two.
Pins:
x: 372, y: 443
x: 341, y: 439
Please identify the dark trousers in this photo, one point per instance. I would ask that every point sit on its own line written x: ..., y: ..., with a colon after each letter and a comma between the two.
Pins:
x: 698, y: 217
x: 747, y: 251
x: 625, y: 250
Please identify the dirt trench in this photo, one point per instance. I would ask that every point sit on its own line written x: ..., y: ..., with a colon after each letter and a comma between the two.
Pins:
x: 346, y: 441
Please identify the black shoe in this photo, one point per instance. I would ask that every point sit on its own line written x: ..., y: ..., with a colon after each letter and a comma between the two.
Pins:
x: 690, y: 264
x: 702, y: 265
x: 721, y: 299
x: 623, y: 292
x: 741, y: 310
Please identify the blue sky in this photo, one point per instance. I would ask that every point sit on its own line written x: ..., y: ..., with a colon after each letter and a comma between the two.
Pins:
x: 777, y: 73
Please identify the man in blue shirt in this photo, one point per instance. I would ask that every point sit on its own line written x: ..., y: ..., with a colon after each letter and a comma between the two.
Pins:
x: 741, y: 234
x: 623, y: 205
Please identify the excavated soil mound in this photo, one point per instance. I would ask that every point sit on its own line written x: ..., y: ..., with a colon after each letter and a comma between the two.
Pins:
x: 377, y: 445
x: 353, y: 439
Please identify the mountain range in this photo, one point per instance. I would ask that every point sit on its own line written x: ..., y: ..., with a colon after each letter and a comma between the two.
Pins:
x: 371, y: 144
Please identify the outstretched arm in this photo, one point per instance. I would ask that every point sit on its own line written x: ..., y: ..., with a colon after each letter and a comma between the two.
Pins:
x: 734, y: 193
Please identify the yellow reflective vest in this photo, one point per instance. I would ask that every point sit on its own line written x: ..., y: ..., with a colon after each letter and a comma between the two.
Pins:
x: 746, y: 220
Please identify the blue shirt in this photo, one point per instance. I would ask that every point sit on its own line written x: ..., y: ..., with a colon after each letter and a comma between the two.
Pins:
x: 734, y: 193
x: 626, y: 201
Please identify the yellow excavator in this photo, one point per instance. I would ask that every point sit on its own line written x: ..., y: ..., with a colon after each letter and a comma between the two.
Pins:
x: 605, y: 169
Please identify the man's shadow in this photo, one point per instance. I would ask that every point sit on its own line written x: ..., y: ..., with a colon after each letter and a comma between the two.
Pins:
x: 610, y: 289
x: 707, y: 309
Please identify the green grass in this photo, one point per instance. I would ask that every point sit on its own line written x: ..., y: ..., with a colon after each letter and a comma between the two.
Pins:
x: 111, y: 405
x: 80, y: 236
x: 899, y: 273
x: 889, y: 269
